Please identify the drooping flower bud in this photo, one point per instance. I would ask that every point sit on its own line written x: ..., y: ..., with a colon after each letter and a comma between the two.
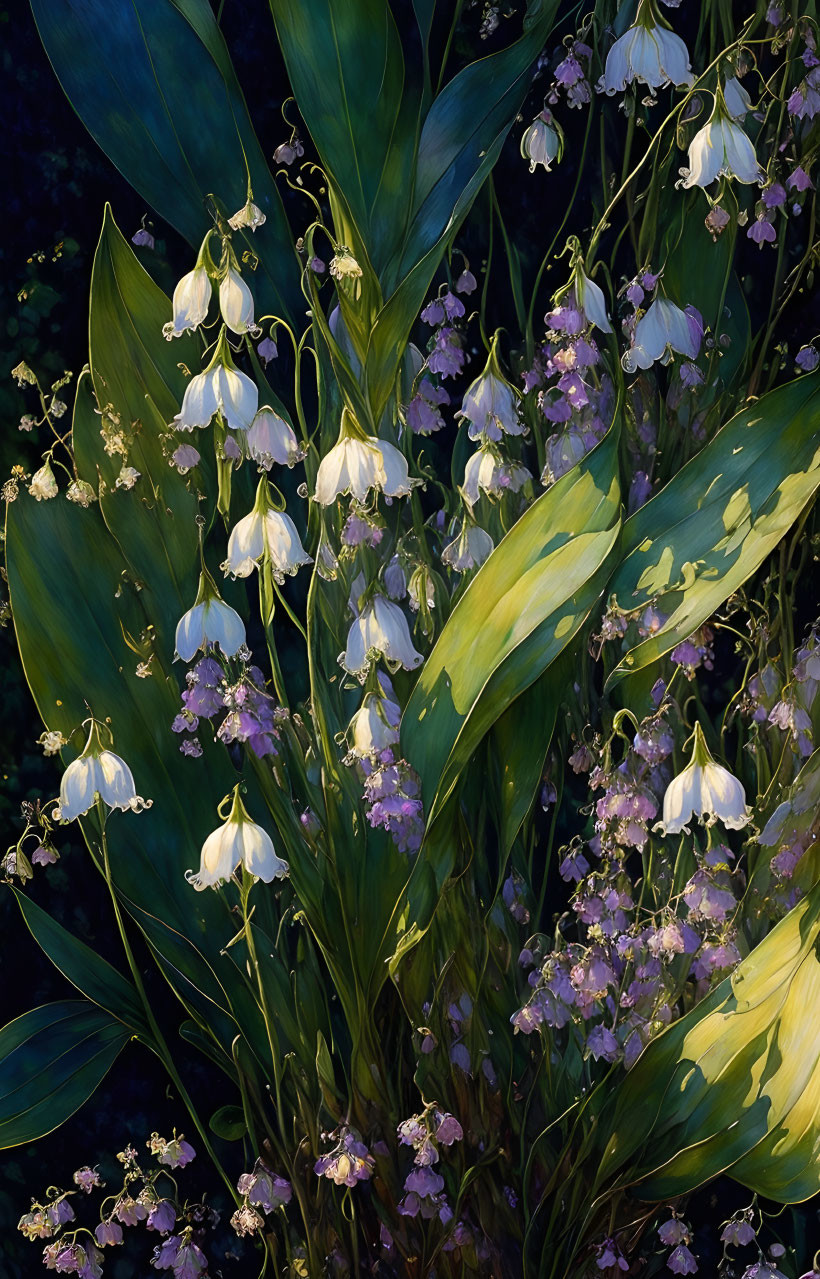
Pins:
x: 236, y: 303
x: 250, y: 216
x: 192, y: 297
x: 543, y: 141
x: 663, y: 330
x: 43, y: 484
x: 490, y: 404
x: 272, y: 439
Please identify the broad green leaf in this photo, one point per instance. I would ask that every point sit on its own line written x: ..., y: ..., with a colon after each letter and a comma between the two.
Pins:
x: 520, y: 741
x: 713, y: 525
x: 153, y: 82
x: 93, y: 976
x: 51, y: 1061
x: 228, y: 1122
x: 346, y: 68
x: 734, y: 1085
x: 518, y: 614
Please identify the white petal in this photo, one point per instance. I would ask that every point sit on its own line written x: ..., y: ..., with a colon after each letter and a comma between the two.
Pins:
x: 236, y: 302
x: 192, y: 297
x: 272, y: 439
x: 222, y: 625
x: 221, y: 854
x: 190, y: 634
x: 199, y: 403
x: 236, y: 396
x: 246, y: 545
x: 283, y: 543
x: 258, y: 853
x: 396, y: 482
x: 592, y: 302
x: 78, y: 787
x: 115, y: 781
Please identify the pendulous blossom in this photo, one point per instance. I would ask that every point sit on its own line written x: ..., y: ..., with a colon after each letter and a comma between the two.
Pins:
x: 98, y: 772
x: 358, y: 463
x: 721, y: 147
x: 664, y: 330
x: 210, y: 621
x: 236, y: 303
x: 221, y: 388
x: 381, y: 627
x: 648, y: 53
x: 490, y: 404
x: 543, y: 142
x: 192, y: 297
x: 265, y: 534
x: 705, y: 790
x: 272, y: 439
x: 238, y: 841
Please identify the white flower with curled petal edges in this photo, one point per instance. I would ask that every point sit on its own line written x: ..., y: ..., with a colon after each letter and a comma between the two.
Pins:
x: 490, y: 404
x: 469, y: 550
x: 543, y: 141
x: 98, y: 772
x: 358, y: 463
x: 649, y: 53
x: 250, y: 216
x: 210, y: 621
x: 265, y: 532
x: 663, y: 329
x: 192, y: 297
x: 721, y: 148
x: 238, y: 841
x: 374, y: 728
x: 381, y: 627
x: 272, y: 439
x: 486, y: 472
x: 705, y: 790
x: 221, y: 388
x: 236, y: 303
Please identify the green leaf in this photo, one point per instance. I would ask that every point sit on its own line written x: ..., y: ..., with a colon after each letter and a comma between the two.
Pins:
x: 518, y: 614
x: 153, y: 83
x: 346, y: 68
x: 733, y: 1086
x: 51, y: 1061
x: 93, y: 976
x: 228, y: 1123
x: 713, y: 525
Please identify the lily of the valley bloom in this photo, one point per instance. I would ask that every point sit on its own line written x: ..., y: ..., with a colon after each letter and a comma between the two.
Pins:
x: 250, y: 216
x: 374, y: 728
x: 738, y: 102
x: 664, y: 329
x: 265, y: 532
x: 649, y: 53
x: 221, y: 388
x: 469, y: 549
x: 43, y: 484
x: 238, y: 841
x: 236, y: 303
x: 210, y: 621
x: 98, y: 772
x: 591, y: 301
x: 487, y: 472
x: 192, y: 297
x: 490, y: 404
x: 381, y: 627
x: 543, y: 141
x: 721, y: 147
x: 272, y: 439
x: 705, y: 790
x: 358, y: 463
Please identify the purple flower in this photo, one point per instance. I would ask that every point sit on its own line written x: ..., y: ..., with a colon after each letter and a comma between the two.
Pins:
x: 108, y: 1232
x: 601, y: 1043
x: 162, y: 1217
x: 448, y: 1130
x: 672, y: 1232
x: 682, y: 1262
x: 609, y: 1255
x: 129, y: 1211
x: 143, y: 239
x: 807, y: 358
x: 738, y: 1233
x: 267, y: 351
x: 264, y: 1188
x: 799, y: 180
x: 447, y: 357
x: 466, y: 282
x: 86, y: 1178
x: 773, y: 195
x: 762, y: 231
x: 349, y: 1161
x: 391, y: 793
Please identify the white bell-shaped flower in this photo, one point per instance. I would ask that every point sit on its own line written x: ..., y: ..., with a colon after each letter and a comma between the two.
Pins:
x: 738, y: 102
x: 250, y: 216
x: 238, y: 841
x: 43, y: 484
x: 649, y: 53
x: 705, y: 790
x: 664, y: 329
x: 272, y: 439
x: 221, y: 388
x: 210, y: 621
x: 486, y: 472
x: 374, y: 728
x: 265, y: 532
x: 722, y: 147
x: 98, y: 772
x: 591, y: 300
x: 543, y: 141
x: 236, y: 303
x: 469, y: 550
x: 192, y: 297
x: 358, y: 463
x: 381, y: 628
x: 490, y: 404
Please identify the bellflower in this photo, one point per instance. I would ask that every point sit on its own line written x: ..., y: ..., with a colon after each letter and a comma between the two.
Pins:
x: 706, y: 790
x: 487, y: 472
x: 272, y: 439
x: 381, y: 627
x: 491, y: 404
x: 469, y: 549
x: 237, y: 841
x: 374, y: 728
x: 648, y: 53
x: 663, y: 330
x: 192, y: 297
x: 210, y: 621
x: 265, y: 533
x: 358, y: 463
x: 543, y: 141
x: 236, y: 303
x: 221, y: 388
x: 721, y: 147
x: 737, y: 100
x: 250, y: 216
x: 98, y: 772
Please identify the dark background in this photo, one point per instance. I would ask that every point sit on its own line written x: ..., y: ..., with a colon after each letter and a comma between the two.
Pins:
x: 53, y: 211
